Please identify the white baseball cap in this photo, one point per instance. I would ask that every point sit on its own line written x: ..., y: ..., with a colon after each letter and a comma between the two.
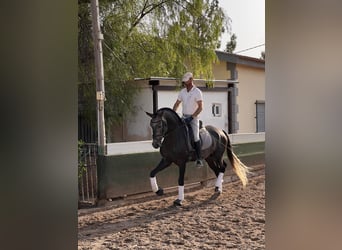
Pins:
x: 187, y: 76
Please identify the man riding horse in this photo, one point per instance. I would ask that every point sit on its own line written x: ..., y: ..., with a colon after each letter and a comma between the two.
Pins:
x: 191, y: 98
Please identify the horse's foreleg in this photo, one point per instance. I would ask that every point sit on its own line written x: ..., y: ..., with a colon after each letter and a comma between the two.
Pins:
x: 178, y: 202
x: 153, y: 180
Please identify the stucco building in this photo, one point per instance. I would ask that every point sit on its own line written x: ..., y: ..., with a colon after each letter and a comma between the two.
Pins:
x: 235, y: 103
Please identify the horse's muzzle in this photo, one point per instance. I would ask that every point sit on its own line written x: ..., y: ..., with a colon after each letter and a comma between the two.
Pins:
x: 156, y: 144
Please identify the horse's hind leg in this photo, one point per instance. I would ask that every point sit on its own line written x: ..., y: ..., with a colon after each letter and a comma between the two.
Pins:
x: 153, y: 180
x: 219, y: 180
x: 212, y: 164
x: 219, y: 171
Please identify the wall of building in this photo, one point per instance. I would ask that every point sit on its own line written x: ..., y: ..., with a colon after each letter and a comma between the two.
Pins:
x: 138, y: 124
x: 168, y: 98
x: 220, y: 71
x: 251, y: 87
x: 215, y: 98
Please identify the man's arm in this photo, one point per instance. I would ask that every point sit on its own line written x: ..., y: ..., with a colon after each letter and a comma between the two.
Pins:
x: 175, y: 106
x: 199, y: 108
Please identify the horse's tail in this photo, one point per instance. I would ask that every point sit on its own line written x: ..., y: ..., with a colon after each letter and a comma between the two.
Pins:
x: 240, y: 169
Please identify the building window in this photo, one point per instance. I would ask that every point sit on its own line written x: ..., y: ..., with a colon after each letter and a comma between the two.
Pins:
x: 217, y: 109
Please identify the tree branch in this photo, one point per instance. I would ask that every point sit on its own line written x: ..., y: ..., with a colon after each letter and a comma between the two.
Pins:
x: 146, y: 10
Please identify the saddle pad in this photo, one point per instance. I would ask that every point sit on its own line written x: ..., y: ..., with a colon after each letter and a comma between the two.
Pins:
x: 205, y: 138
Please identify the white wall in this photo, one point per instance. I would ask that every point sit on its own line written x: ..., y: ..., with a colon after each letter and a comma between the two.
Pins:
x: 120, y: 148
x: 168, y: 98
x: 207, y: 116
x: 138, y: 124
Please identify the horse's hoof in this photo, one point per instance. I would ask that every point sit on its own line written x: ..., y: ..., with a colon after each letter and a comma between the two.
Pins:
x: 177, y: 202
x: 217, y: 190
x: 160, y: 192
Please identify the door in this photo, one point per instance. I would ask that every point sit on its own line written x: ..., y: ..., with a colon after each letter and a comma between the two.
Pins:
x: 260, y: 116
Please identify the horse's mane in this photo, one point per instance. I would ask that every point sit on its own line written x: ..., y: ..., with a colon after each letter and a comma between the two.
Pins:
x: 162, y: 110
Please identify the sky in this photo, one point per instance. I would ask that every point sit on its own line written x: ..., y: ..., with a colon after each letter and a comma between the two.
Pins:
x: 248, y: 24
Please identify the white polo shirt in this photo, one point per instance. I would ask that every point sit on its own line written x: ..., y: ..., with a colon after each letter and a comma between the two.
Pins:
x: 189, y: 99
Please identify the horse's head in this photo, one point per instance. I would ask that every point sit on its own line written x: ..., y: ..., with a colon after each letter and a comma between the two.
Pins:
x: 159, y: 129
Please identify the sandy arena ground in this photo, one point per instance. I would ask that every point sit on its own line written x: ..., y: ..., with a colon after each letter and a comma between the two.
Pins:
x: 233, y: 220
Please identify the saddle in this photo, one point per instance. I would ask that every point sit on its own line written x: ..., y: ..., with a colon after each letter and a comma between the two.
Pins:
x: 204, y: 135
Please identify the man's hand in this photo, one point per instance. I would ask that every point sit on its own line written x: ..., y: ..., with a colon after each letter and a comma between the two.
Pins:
x: 188, y: 119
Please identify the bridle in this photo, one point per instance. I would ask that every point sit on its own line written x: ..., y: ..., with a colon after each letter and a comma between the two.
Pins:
x: 159, y: 126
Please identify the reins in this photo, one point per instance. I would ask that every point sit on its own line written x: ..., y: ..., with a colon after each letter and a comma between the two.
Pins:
x: 169, y: 132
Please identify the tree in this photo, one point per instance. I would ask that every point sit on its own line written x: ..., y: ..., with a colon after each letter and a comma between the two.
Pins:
x: 231, y: 45
x: 144, y: 38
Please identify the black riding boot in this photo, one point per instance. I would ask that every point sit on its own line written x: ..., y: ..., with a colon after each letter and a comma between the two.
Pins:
x: 199, y: 162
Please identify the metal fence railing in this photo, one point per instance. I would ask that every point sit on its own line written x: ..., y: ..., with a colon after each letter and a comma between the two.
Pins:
x: 87, y: 182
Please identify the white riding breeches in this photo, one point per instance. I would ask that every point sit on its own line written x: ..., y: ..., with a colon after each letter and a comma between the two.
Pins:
x: 195, y: 127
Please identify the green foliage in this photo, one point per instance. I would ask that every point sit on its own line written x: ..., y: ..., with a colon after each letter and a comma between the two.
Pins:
x: 145, y: 38
x: 81, y: 159
x: 209, y: 84
x: 231, y: 45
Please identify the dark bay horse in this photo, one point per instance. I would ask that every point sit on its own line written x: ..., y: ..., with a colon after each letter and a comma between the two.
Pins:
x: 169, y: 133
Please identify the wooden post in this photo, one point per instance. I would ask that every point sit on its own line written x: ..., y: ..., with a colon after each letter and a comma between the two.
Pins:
x: 100, y: 91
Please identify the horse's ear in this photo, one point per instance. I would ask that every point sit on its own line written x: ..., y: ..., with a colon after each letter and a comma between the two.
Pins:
x: 149, y: 114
